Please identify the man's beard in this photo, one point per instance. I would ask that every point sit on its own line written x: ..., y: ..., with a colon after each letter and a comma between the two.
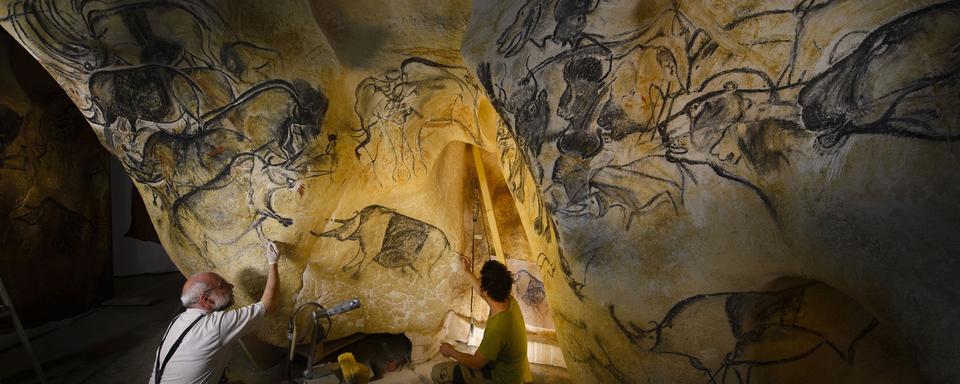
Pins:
x: 221, y: 302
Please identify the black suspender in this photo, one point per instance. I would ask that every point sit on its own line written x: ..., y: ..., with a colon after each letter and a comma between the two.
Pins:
x: 158, y: 368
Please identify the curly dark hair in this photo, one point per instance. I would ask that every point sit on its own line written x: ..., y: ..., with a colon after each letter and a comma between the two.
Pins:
x: 496, y: 280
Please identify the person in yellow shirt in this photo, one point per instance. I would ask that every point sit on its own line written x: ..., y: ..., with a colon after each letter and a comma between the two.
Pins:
x: 502, y: 355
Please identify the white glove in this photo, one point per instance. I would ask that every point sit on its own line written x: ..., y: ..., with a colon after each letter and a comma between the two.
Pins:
x: 272, y: 254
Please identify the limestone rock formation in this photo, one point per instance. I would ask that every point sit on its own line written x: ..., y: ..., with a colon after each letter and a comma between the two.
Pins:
x: 247, y: 122
x: 741, y: 188
x: 713, y: 191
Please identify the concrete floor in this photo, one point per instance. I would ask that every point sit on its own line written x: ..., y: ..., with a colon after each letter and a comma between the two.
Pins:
x: 115, y: 343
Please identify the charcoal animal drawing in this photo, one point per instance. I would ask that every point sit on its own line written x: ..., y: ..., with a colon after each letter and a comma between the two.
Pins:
x: 767, y: 328
x: 529, y: 288
x: 391, y: 240
x: 609, y: 140
x: 189, y: 117
x: 398, y: 108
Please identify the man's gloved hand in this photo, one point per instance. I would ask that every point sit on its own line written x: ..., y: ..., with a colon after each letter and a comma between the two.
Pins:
x: 272, y: 254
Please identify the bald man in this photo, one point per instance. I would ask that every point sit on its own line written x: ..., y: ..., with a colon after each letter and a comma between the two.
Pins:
x: 196, y: 345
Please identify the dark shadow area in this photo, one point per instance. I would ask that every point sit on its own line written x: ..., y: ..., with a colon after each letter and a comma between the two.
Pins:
x: 55, y: 217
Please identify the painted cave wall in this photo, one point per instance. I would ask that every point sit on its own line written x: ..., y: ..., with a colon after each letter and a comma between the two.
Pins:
x: 54, y: 196
x: 247, y: 122
x: 708, y: 191
x: 742, y: 191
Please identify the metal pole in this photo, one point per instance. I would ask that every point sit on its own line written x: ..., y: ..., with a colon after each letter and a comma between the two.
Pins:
x: 20, y: 333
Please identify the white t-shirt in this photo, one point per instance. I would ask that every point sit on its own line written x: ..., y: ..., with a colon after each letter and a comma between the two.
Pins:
x: 205, y: 350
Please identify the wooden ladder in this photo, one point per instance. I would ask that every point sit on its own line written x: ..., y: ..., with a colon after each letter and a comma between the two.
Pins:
x: 6, y: 310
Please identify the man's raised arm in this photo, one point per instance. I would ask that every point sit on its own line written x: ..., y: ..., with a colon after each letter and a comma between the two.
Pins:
x: 270, y: 290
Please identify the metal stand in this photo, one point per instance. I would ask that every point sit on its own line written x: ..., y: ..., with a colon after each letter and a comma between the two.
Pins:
x: 6, y: 309
x: 318, y: 336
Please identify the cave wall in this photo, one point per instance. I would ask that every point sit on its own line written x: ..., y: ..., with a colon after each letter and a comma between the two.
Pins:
x: 243, y: 122
x: 711, y: 191
x: 54, y: 196
x: 740, y: 190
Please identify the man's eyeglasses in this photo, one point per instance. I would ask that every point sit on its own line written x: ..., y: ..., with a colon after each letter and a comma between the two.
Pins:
x: 222, y: 284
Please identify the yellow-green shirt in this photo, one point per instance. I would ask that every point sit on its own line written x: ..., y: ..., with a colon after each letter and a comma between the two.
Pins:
x: 505, y: 345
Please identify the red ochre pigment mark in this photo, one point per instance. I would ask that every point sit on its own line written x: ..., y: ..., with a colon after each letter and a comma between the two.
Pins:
x: 215, y: 152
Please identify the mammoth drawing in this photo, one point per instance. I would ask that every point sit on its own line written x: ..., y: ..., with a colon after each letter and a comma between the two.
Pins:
x: 396, y: 241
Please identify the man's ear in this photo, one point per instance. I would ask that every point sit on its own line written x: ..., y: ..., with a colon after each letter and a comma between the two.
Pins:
x: 204, y: 300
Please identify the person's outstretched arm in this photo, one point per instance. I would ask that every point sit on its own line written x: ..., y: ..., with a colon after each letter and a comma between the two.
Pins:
x: 465, y: 265
x: 270, y: 290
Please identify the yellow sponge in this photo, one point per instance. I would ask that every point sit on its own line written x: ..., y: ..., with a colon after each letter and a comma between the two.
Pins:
x: 353, y: 372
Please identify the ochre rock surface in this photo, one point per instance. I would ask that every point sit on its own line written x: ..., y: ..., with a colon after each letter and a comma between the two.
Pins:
x: 54, y: 197
x: 738, y: 191
x: 247, y: 122
x: 757, y: 191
